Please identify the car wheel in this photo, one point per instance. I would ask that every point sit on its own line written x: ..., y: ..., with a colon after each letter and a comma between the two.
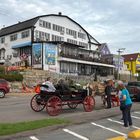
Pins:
x: 2, y: 93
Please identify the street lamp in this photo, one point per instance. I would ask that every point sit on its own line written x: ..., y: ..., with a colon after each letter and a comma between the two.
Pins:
x: 131, y: 60
x: 120, y: 50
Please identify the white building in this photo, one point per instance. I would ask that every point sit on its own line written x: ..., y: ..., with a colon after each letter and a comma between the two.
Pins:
x: 53, y: 42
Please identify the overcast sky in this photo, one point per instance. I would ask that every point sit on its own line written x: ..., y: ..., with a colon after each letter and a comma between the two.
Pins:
x: 115, y: 22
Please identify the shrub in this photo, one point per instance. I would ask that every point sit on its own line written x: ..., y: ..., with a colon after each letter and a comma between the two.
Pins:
x: 11, y: 77
x: 2, y: 69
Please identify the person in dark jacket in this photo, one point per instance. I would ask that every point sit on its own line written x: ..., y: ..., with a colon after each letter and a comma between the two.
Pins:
x: 108, y: 90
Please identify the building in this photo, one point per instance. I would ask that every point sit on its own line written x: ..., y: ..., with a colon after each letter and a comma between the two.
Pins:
x: 133, y: 63
x: 116, y: 60
x: 53, y: 42
x: 104, y: 49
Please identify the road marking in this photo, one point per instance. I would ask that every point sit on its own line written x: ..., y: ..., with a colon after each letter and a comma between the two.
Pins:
x: 75, y: 134
x: 122, y: 123
x: 137, y: 112
x: 33, y: 138
x: 135, y: 117
x: 112, y: 130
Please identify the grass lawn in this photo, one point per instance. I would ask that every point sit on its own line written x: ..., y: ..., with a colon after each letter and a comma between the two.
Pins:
x: 12, y: 128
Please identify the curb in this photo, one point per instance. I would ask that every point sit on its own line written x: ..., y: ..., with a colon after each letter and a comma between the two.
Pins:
x: 134, y: 134
x: 118, y: 138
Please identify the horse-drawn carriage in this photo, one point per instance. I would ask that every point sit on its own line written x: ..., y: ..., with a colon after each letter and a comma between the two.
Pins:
x: 98, y: 88
x: 54, y: 101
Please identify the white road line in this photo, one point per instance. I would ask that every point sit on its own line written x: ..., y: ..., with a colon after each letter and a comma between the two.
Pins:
x: 122, y: 123
x: 137, y: 112
x: 135, y: 117
x: 112, y: 130
x: 33, y: 138
x: 75, y: 134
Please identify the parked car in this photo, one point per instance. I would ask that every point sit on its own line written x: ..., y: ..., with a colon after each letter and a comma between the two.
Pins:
x: 134, y: 90
x: 4, y: 87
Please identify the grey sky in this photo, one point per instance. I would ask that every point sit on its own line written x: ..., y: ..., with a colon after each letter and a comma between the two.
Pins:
x: 116, y: 22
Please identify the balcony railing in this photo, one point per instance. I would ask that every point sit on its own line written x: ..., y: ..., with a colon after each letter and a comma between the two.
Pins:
x: 85, y: 58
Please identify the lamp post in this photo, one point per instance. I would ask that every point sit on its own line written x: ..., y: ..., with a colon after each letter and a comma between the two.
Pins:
x: 120, y: 50
x: 131, y: 68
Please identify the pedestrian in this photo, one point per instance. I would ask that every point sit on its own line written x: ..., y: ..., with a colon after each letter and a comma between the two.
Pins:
x: 108, y: 90
x: 125, y: 104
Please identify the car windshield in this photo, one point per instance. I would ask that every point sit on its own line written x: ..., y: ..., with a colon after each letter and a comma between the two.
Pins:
x: 138, y: 84
x: 134, y: 84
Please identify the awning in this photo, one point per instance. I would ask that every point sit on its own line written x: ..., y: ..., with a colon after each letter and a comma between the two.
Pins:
x: 21, y: 45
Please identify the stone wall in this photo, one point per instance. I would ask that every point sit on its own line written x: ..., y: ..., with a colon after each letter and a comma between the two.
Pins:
x: 33, y: 77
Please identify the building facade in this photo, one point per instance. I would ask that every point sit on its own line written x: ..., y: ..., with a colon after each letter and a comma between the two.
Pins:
x: 53, y: 42
x: 133, y: 63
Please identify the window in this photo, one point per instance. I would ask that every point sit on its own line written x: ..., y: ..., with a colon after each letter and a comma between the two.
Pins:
x: 41, y: 36
x: 64, y: 67
x: 71, y: 32
x: 81, y: 35
x: 2, y: 40
x: 58, y: 28
x: 83, y: 44
x: 13, y: 37
x: 57, y: 38
x: 72, y: 41
x: 25, y: 50
x: 72, y: 68
x: 44, y: 24
x: 25, y: 34
x: 127, y: 66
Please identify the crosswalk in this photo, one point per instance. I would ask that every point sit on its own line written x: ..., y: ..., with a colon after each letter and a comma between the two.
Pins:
x: 113, y: 127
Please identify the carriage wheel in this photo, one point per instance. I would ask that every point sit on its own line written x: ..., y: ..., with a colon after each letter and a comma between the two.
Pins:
x: 37, y: 103
x: 89, y: 103
x: 54, y: 106
x: 72, y: 105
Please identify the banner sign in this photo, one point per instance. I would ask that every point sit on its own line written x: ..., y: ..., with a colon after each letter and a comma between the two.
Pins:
x: 50, y: 54
x: 36, y: 49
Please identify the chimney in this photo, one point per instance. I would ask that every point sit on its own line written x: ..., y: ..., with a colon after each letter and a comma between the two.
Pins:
x: 60, y: 13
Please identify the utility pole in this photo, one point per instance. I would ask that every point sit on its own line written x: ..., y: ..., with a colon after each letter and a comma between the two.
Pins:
x: 120, y: 50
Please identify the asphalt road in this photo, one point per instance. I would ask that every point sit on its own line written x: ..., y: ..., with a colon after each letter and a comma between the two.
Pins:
x: 16, y: 107
x: 86, y: 126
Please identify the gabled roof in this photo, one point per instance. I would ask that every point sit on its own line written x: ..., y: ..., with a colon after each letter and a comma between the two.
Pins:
x: 102, y: 46
x: 31, y: 22
x: 130, y: 57
x: 18, y: 27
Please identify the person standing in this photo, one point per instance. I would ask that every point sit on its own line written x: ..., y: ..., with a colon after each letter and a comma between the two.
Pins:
x: 125, y: 104
x: 108, y: 90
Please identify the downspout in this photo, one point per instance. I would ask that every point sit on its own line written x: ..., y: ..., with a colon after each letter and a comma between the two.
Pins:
x: 32, y: 41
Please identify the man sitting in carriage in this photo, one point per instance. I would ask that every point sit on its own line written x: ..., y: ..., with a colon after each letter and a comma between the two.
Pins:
x: 48, y: 86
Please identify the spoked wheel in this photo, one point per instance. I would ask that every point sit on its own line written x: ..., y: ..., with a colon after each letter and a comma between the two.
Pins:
x: 2, y: 93
x: 89, y: 103
x: 72, y: 105
x: 54, y: 106
x: 37, y: 104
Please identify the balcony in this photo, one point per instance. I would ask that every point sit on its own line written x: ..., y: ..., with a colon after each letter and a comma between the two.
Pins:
x: 84, y: 58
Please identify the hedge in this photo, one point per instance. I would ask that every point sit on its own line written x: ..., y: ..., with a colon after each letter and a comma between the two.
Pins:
x: 12, y: 77
x: 2, y: 69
